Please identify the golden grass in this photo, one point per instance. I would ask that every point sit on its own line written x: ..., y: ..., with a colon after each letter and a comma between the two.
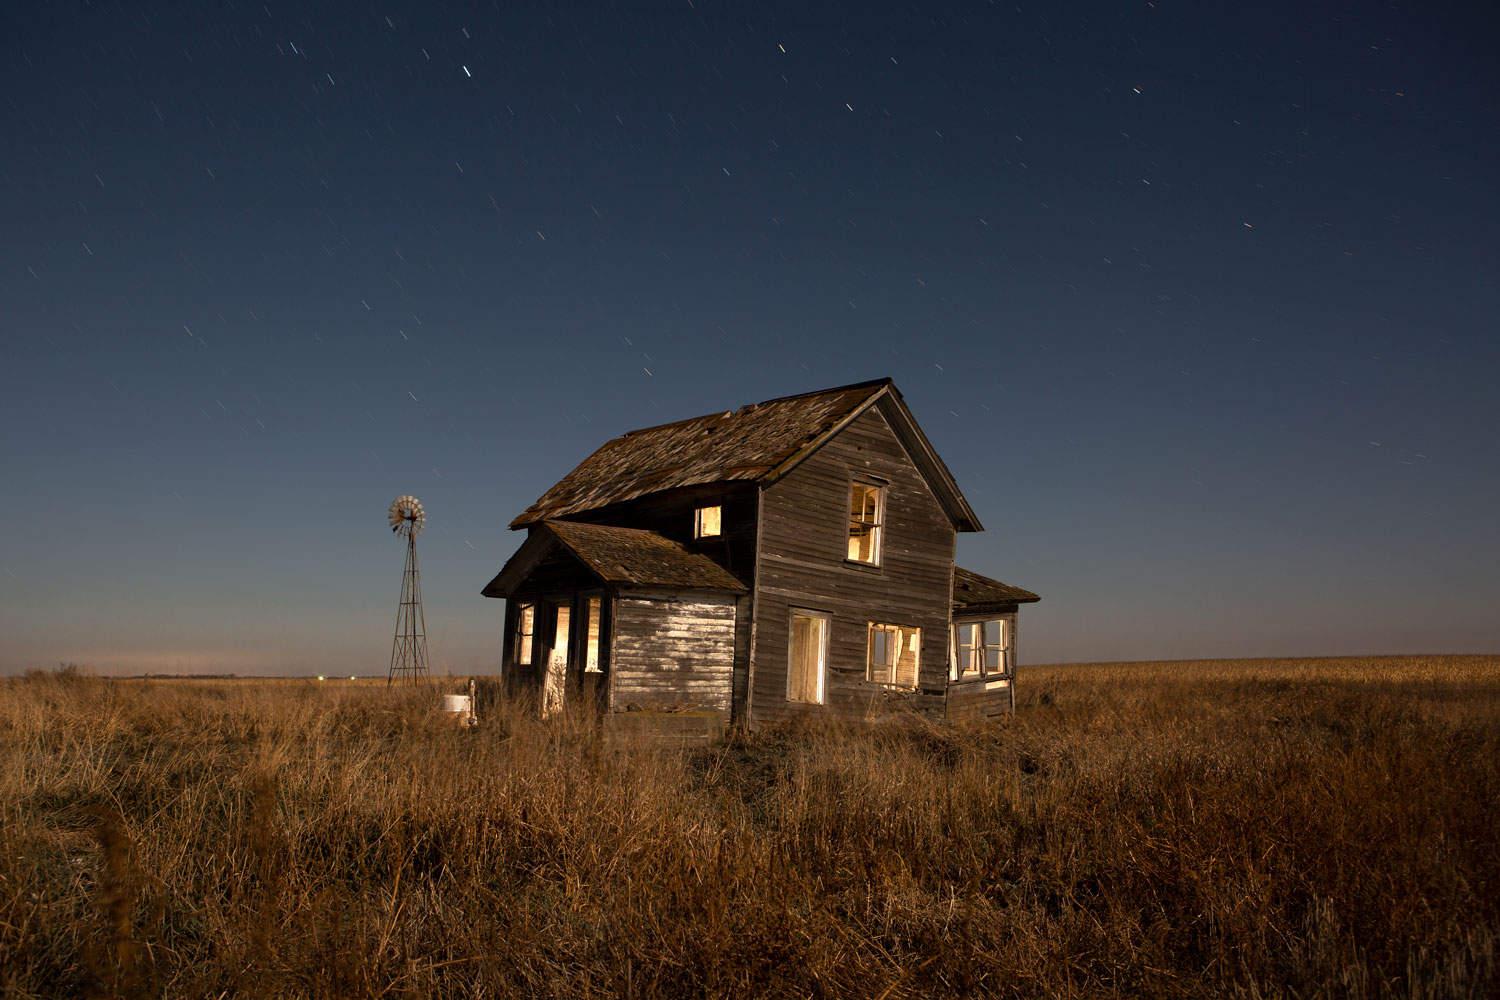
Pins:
x: 1265, y: 828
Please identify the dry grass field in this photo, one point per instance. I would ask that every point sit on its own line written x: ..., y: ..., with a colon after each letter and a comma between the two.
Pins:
x: 1264, y: 828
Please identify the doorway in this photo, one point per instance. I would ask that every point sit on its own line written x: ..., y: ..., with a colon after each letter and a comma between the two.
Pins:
x: 555, y: 677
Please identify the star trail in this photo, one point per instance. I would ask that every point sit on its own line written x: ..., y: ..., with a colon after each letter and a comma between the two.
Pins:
x: 1198, y: 304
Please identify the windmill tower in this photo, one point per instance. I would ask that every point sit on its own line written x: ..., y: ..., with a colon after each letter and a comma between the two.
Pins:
x: 409, y: 650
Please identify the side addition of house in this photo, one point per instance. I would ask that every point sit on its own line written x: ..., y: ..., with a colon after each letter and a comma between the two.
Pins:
x: 791, y: 556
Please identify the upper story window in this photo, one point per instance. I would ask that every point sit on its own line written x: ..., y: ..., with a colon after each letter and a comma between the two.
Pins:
x: 893, y: 654
x: 708, y: 522
x: 866, y: 509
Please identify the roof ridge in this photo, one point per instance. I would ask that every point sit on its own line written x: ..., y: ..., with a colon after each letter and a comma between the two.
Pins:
x: 868, y: 384
x: 723, y: 414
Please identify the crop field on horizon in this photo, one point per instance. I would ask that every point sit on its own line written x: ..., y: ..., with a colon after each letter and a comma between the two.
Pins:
x: 1253, y: 828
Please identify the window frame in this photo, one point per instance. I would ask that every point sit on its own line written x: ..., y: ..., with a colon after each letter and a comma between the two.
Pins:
x: 908, y: 639
x: 876, y: 526
x: 978, y: 668
x: 793, y: 613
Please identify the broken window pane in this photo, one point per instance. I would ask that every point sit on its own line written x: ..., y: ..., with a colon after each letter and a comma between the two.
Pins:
x: 995, y: 646
x: 966, y: 662
x: 893, y: 654
x: 864, y: 522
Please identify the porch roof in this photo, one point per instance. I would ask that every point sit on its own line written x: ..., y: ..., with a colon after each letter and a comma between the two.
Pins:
x: 619, y: 557
x: 975, y: 594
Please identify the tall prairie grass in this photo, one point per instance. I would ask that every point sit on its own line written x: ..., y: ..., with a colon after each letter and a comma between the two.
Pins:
x: 1267, y: 828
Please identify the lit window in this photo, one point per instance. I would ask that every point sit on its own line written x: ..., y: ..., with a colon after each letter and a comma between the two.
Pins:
x: 591, y: 656
x: 982, y: 649
x: 707, y: 522
x: 525, y: 630
x: 865, y: 503
x: 893, y: 654
x: 808, y: 657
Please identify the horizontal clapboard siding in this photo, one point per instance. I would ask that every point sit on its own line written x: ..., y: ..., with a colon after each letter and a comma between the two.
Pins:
x: 672, y: 653
x: 803, y: 544
x: 978, y: 699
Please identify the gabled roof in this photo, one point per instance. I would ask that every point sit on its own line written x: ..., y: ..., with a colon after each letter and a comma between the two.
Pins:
x: 757, y: 443
x: 619, y: 557
x: 975, y: 593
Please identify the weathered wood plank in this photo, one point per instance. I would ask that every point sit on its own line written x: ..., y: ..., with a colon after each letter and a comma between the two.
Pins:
x: 804, y: 538
x: 673, y: 653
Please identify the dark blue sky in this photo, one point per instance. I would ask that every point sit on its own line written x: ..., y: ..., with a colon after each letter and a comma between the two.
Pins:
x: 1199, y: 304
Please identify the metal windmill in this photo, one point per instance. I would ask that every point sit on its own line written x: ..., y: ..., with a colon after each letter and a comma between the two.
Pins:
x: 409, y: 650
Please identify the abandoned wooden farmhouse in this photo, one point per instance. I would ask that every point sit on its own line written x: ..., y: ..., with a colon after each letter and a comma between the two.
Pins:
x: 791, y: 556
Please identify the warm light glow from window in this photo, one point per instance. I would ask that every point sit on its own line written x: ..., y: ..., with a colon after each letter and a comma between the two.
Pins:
x: 807, y: 659
x: 893, y: 654
x: 591, y: 656
x: 981, y: 649
x: 707, y: 522
x: 864, y: 523
x: 526, y: 629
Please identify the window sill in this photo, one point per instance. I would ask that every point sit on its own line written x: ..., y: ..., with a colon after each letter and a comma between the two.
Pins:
x: 861, y: 564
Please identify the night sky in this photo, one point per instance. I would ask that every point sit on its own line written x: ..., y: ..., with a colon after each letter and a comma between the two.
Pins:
x: 1198, y: 302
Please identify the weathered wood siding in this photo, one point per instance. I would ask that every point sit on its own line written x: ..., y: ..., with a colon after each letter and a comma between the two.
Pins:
x: 672, y: 653
x: 978, y: 698
x: 803, y: 548
x: 741, y: 679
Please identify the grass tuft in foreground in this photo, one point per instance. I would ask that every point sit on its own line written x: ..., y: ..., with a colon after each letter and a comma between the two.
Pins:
x: 1268, y: 828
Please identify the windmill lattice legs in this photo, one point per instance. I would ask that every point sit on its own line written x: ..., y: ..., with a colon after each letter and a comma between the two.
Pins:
x: 409, y: 650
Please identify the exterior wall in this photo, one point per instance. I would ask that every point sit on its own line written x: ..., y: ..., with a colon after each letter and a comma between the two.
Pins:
x: 670, y: 514
x: 984, y: 697
x: 672, y: 652
x: 802, y: 563
x: 741, y: 676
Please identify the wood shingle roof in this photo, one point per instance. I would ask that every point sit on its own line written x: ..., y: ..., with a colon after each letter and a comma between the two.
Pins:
x: 635, y: 557
x: 974, y: 593
x: 619, y: 557
x: 760, y: 442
